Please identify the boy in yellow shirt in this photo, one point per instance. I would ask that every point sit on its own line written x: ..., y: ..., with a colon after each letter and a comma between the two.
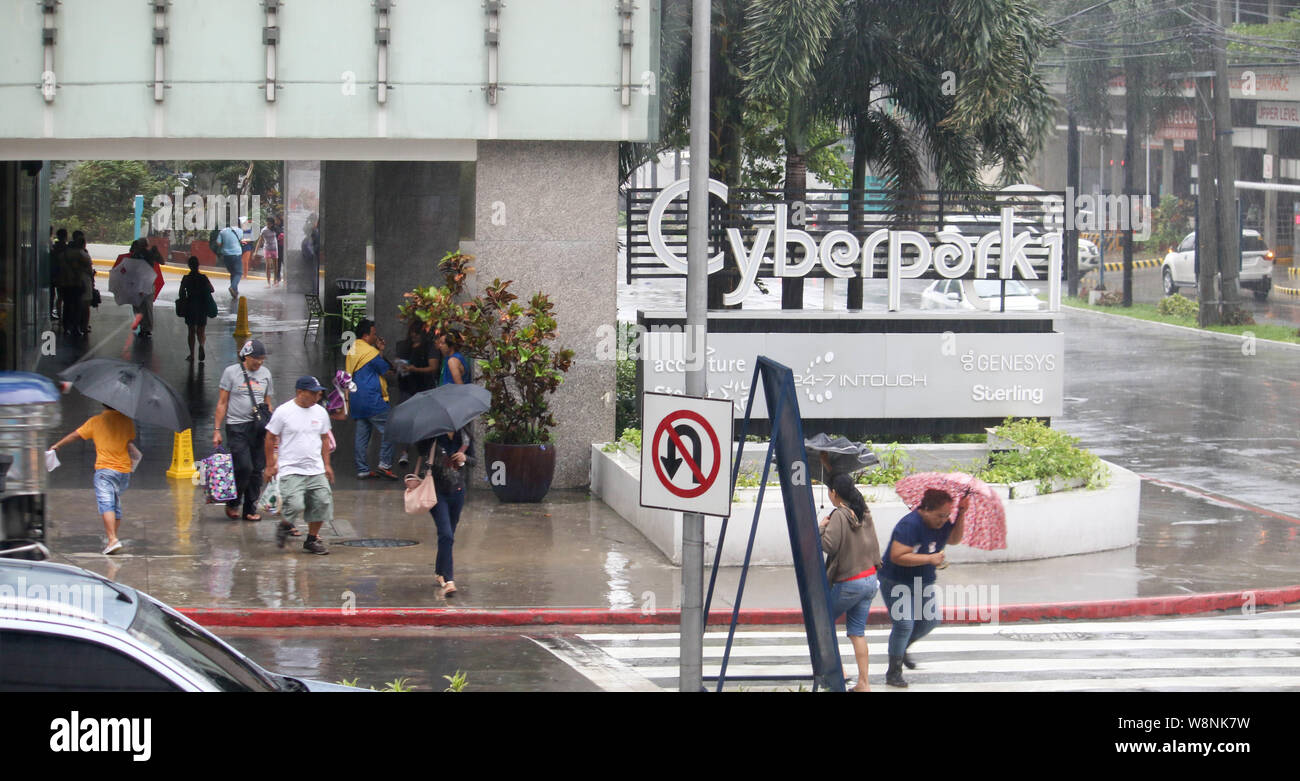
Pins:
x: 111, y: 432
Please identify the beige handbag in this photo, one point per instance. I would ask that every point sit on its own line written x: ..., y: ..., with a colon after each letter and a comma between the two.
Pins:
x: 421, y: 495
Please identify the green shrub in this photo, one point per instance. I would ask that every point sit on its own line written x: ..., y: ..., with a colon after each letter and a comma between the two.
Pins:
x: 894, y: 466
x: 631, y: 438
x: 1051, y: 454
x: 1171, y: 220
x: 1178, y: 305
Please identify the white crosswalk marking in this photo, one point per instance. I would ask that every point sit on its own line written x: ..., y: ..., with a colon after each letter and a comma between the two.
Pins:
x: 1231, y: 652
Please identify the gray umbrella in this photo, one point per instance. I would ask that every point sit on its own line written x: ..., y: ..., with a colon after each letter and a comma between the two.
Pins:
x: 132, y: 390
x: 443, y: 410
x: 837, y: 454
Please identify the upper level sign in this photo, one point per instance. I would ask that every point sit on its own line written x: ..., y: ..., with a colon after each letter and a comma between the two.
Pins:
x: 686, y: 454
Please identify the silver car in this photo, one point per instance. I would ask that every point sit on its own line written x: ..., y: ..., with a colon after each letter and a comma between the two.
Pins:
x: 64, y: 628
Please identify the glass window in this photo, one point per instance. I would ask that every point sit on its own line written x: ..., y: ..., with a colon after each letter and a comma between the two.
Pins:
x: 1252, y: 243
x: 169, y: 633
x: 33, y: 661
x: 1188, y: 244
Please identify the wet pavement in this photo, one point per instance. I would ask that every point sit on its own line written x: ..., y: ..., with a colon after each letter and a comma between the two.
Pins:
x: 1213, y: 429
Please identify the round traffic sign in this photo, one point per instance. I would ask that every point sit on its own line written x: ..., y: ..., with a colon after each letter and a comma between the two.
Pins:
x: 696, y: 426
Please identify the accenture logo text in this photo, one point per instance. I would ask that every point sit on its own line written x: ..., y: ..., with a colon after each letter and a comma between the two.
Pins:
x: 93, y: 735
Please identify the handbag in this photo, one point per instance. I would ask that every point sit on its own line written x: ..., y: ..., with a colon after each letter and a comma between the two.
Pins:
x: 217, y: 474
x: 420, y: 496
x: 182, y: 302
x: 95, y: 298
x: 261, y: 412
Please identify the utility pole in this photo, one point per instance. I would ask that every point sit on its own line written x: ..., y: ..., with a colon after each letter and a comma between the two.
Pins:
x: 1130, y: 135
x: 1207, y: 242
x: 691, y: 670
x: 1229, y: 231
x: 1072, y: 180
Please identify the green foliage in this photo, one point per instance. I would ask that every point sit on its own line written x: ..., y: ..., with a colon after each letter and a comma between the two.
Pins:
x: 1178, y: 305
x: 456, y: 682
x: 1050, y: 454
x: 509, y: 343
x: 626, y: 392
x: 1267, y: 42
x: 894, y: 466
x: 102, y: 198
x: 1170, y: 222
x: 630, y: 440
x: 398, y: 685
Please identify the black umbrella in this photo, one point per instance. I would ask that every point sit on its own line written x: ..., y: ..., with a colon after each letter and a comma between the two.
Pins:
x: 443, y: 410
x: 837, y: 454
x: 130, y: 389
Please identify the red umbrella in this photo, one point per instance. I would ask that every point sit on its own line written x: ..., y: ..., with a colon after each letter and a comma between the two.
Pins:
x: 986, y: 518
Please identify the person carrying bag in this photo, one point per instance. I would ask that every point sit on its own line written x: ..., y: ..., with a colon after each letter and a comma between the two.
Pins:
x: 421, y: 495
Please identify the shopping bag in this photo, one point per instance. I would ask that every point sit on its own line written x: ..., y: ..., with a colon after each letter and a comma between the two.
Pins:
x: 136, y: 455
x: 219, y: 477
x: 271, y: 500
x: 51, y: 460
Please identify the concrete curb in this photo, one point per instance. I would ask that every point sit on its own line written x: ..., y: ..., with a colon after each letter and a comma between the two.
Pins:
x: 1136, y: 264
x: 1180, y: 605
x: 1197, y: 331
x: 167, y: 269
x: 1287, y: 291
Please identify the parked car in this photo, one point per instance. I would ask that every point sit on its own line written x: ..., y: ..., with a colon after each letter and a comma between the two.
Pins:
x: 1089, y: 255
x: 980, y: 294
x: 64, y: 628
x: 1179, y: 266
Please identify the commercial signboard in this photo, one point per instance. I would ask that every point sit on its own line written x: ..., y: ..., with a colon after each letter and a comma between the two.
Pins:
x: 1282, y: 114
x: 878, y: 375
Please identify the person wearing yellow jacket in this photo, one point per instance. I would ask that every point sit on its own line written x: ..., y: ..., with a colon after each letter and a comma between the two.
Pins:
x: 368, y: 404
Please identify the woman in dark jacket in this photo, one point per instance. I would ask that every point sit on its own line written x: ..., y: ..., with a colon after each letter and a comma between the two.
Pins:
x: 445, y: 455
x: 196, y: 292
x: 852, y: 555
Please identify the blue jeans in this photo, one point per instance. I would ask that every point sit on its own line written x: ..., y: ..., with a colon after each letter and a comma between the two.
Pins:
x: 446, y: 515
x: 852, y: 599
x: 362, y: 443
x: 235, y: 265
x: 109, y: 485
x: 903, y: 600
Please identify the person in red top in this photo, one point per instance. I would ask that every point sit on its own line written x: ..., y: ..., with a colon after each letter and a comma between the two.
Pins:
x: 144, y: 311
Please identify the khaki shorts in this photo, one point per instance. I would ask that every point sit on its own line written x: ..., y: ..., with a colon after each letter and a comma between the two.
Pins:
x: 306, y: 498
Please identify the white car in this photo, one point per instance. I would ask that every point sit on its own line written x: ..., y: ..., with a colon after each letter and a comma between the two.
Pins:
x: 1089, y: 255
x: 981, y: 295
x: 67, y: 629
x: 1179, y: 266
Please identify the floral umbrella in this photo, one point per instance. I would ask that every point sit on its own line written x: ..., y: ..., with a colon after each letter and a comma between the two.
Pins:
x: 986, y: 518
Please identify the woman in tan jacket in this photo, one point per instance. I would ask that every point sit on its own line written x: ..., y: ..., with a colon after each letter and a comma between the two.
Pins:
x: 852, y: 555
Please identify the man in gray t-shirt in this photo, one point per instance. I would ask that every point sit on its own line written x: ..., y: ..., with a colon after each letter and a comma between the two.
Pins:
x: 235, y: 409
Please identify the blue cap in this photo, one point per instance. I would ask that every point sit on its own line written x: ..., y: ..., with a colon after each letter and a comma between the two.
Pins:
x: 308, y: 383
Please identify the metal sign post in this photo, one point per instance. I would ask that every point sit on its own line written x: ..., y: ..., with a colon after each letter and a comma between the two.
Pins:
x: 692, y: 621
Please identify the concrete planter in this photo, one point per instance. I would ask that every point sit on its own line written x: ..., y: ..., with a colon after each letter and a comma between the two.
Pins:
x: 1039, y: 526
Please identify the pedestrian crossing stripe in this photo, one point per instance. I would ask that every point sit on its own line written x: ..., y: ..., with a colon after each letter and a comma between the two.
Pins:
x: 1259, y: 651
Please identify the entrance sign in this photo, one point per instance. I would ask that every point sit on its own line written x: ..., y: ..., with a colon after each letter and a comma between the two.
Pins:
x: 686, y: 454
x: 999, y: 249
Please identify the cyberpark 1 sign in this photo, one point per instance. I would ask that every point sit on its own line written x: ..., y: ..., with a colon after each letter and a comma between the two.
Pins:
x: 1002, y: 253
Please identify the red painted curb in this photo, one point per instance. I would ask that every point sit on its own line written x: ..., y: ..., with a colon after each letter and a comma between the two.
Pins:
x: 1189, y: 604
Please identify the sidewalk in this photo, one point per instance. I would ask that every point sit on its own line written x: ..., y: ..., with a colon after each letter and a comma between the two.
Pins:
x: 569, y: 552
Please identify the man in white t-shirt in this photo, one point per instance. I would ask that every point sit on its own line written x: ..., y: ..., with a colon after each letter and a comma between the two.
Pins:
x: 301, y: 432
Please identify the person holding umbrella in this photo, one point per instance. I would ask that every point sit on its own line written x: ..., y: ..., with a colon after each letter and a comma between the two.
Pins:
x: 438, y: 421
x: 128, y: 393
x: 908, y: 573
x: 852, y: 556
x: 113, y: 433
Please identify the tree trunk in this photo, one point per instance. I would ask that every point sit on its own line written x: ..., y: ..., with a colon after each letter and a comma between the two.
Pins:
x: 1229, y: 230
x: 857, y: 205
x: 1207, y: 243
x: 1130, y: 136
x: 1072, y: 180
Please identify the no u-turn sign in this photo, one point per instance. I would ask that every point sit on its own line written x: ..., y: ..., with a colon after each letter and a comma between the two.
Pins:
x: 686, y: 454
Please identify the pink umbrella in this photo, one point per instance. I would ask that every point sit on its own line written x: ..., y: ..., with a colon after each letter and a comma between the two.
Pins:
x: 986, y: 518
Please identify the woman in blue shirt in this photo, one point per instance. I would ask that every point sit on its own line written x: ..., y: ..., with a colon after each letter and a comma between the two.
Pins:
x: 454, y: 368
x: 908, y: 572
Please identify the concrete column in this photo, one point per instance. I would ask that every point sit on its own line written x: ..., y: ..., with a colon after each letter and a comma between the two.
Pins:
x: 301, y: 187
x: 416, y: 221
x: 1167, y: 168
x: 546, y: 217
x: 347, y: 223
x: 1271, y: 147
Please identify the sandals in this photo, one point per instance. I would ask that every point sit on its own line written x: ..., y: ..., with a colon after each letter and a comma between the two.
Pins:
x: 232, y: 513
x: 252, y: 517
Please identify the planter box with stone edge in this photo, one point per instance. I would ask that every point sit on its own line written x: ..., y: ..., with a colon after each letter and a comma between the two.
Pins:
x: 1039, y: 526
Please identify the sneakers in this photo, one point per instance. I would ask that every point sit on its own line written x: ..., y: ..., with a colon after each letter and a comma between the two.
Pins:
x: 385, y: 471
x: 366, y: 475
x: 113, y: 549
x: 315, y: 546
x: 403, y: 461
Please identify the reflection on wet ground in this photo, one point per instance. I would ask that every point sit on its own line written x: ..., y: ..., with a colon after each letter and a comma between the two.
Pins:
x: 1194, y: 413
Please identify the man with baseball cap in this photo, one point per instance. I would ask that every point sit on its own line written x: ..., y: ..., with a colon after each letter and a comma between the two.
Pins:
x: 300, y: 431
x: 244, y: 388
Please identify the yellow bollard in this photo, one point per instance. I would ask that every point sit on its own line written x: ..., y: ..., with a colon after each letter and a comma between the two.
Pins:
x: 241, y: 322
x: 182, y: 456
